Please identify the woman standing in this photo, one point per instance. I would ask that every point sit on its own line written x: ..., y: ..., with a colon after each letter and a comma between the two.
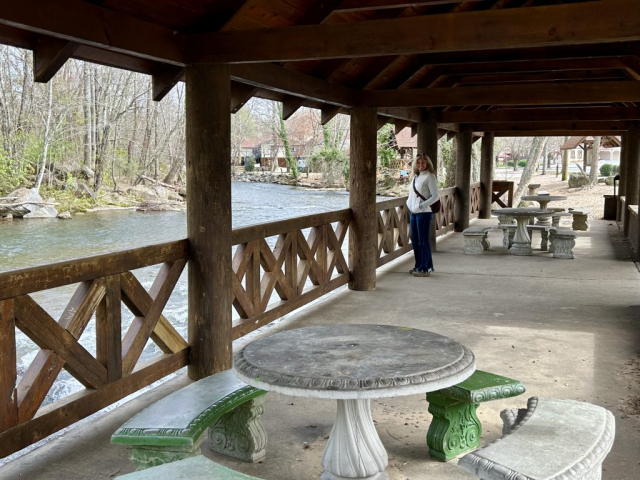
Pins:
x: 423, y: 192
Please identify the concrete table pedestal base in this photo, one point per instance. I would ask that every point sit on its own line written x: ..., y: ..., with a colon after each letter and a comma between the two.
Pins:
x: 354, y: 436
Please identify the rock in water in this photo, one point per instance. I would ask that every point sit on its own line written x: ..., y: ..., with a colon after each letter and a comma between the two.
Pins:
x: 64, y: 215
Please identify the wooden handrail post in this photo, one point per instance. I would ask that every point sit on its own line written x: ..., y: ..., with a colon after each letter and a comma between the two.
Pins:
x: 428, y: 143
x: 463, y: 178
x: 208, y: 146
x: 363, y: 233
x: 632, y: 183
x: 622, y: 183
x: 486, y: 174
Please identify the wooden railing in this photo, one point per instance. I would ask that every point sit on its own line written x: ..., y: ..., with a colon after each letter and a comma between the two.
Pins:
x: 394, y: 236
x: 300, y: 268
x: 446, y: 217
x: 474, y: 200
x: 104, y: 283
x: 299, y: 259
x: 501, y: 189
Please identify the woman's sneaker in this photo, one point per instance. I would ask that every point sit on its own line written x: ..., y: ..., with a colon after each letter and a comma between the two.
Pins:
x: 412, y: 270
x: 420, y: 274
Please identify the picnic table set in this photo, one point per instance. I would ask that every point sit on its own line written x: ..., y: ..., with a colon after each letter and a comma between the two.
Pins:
x: 518, y: 225
x: 352, y: 364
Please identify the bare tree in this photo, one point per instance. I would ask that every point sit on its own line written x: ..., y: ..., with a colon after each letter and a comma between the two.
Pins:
x: 537, y: 147
x: 595, y: 153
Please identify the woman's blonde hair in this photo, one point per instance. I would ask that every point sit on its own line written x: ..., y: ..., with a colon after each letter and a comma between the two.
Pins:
x: 424, y: 156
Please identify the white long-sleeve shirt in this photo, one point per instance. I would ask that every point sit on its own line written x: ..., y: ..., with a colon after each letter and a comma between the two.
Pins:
x: 427, y: 184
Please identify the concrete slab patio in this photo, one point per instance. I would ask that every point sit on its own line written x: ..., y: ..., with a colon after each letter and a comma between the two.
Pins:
x: 565, y: 328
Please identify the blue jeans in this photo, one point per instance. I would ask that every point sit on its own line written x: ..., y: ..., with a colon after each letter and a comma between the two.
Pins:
x: 420, y: 224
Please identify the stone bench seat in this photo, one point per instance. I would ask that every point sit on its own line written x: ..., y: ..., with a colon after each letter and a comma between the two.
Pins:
x: 455, y: 428
x: 195, y: 468
x: 580, y: 218
x: 562, y: 242
x: 475, y: 239
x: 550, y: 440
x: 172, y: 428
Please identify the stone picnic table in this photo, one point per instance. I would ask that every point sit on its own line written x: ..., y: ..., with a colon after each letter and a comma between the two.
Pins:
x: 543, y: 201
x: 353, y: 364
x: 521, y: 241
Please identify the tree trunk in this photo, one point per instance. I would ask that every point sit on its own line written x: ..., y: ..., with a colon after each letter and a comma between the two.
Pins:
x: 537, y: 146
x: 86, y: 109
x: 595, y: 151
x: 565, y: 162
x: 47, y: 130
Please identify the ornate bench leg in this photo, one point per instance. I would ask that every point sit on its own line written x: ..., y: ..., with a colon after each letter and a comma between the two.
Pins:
x: 485, y: 241
x: 544, y: 244
x: 240, y: 433
x: 563, y: 247
x: 505, y: 237
x: 512, y: 233
x: 146, y: 457
x: 455, y: 428
x: 473, y: 244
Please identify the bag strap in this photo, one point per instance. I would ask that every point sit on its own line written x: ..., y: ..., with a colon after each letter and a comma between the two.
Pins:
x: 416, y: 190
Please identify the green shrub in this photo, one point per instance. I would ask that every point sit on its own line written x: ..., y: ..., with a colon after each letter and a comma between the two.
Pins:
x: 510, y: 163
x: 249, y: 165
x: 605, y: 170
x: 522, y: 163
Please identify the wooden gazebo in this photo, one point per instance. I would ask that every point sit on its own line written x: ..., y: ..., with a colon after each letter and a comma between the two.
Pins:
x: 484, y: 67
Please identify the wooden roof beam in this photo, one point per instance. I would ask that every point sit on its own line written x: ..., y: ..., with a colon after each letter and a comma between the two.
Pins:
x: 290, y: 106
x: 490, y: 29
x: 541, y: 115
x: 327, y: 113
x: 241, y: 93
x: 49, y: 55
x: 164, y: 80
x: 562, y: 93
x: 550, y: 126
x: 295, y: 83
x: 93, y: 25
x: 557, y: 133
x: 367, y: 5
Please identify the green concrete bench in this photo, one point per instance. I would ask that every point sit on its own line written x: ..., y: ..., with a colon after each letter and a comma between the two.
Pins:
x: 172, y: 428
x: 195, y: 468
x: 455, y: 428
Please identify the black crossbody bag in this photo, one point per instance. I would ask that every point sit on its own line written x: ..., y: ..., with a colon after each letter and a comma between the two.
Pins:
x: 435, y: 207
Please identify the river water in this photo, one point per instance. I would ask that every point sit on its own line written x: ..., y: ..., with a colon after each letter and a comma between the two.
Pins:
x: 27, y: 243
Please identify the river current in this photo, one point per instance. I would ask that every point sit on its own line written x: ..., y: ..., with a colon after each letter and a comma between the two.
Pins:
x: 27, y: 243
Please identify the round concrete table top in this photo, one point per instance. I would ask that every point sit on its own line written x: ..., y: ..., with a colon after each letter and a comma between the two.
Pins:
x: 520, y: 212
x: 544, y: 198
x: 354, y: 362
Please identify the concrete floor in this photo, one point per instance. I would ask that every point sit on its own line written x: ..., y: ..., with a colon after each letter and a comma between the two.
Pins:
x: 566, y: 328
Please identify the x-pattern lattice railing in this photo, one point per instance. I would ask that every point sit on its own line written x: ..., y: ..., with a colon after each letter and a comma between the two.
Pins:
x: 103, y: 284
x: 474, y: 201
x: 446, y: 218
x: 299, y: 268
x: 394, y: 236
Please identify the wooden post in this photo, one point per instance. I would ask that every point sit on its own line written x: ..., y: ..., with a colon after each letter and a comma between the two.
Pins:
x: 622, y: 183
x: 208, y: 146
x: 486, y: 174
x: 428, y: 143
x: 632, y: 170
x: 463, y: 178
x: 363, y: 234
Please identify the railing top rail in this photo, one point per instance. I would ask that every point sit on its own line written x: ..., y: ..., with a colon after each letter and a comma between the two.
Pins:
x: 33, y: 279
x: 264, y: 230
x: 394, y: 202
x: 448, y: 191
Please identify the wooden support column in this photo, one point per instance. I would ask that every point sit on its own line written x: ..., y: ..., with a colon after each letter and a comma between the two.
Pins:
x: 486, y: 174
x: 363, y: 233
x: 428, y: 143
x: 624, y: 138
x: 208, y: 146
x: 632, y: 183
x: 463, y: 178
